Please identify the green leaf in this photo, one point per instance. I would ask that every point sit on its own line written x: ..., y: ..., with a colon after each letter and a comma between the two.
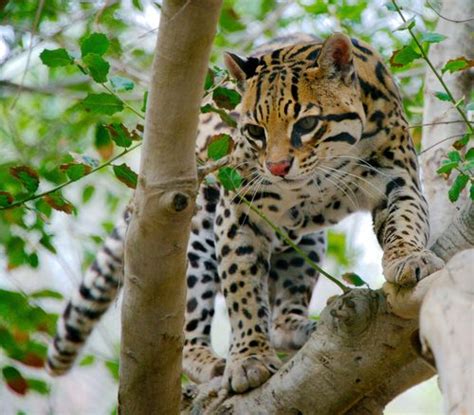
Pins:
x: 94, y: 43
x: 87, y: 193
x: 316, y: 8
x: 33, y: 260
x: 390, y: 7
x: 137, y: 5
x: 469, y: 154
x: 113, y: 368
x: 38, y: 385
x: 87, y: 360
x: 219, y: 147
x: 6, y: 199
x: 353, y: 279
x: 458, y: 185
x: 454, y: 156
x: 336, y: 247
x: 229, y: 178
x: 57, y: 202
x: 458, y: 64
x: 230, y: 21
x: 431, y: 37
x: 98, y: 67
x: 102, y: 104
x: 47, y: 294
x: 119, y: 83
x: 446, y: 168
x: 145, y: 100
x: 471, y: 191
x: 46, y: 239
x: 56, y: 57
x: 102, y: 142
x: 404, y: 56
x: 27, y: 176
x: 15, y: 380
x: 461, y: 143
x: 126, y: 175
x: 443, y: 96
x: 226, y: 98
x: 75, y: 171
x: 209, y: 82
x: 119, y: 134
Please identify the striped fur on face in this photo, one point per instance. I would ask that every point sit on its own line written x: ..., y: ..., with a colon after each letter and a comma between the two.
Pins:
x: 300, y: 104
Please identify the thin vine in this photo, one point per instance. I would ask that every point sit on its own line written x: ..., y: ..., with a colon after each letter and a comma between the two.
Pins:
x: 297, y: 249
x: 436, y: 73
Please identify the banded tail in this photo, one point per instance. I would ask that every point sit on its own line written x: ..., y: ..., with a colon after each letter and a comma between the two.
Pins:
x: 97, y: 291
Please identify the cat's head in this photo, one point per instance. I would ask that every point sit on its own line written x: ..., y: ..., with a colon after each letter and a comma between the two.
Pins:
x: 300, y: 105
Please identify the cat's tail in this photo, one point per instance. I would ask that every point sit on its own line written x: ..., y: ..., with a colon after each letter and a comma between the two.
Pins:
x: 95, y: 294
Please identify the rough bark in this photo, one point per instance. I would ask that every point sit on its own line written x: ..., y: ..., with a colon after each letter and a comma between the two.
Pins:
x: 154, y: 289
x: 447, y: 332
x: 365, y: 352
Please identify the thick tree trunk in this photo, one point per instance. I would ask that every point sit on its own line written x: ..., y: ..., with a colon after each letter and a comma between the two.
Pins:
x: 154, y: 289
x: 446, y: 325
x: 447, y: 332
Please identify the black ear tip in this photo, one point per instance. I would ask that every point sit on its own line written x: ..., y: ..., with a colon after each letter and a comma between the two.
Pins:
x: 235, y: 63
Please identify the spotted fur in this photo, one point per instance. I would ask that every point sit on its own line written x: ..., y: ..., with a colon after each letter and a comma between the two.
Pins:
x: 321, y: 134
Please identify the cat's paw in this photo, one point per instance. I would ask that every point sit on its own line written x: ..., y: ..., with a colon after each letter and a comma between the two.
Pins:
x: 242, y: 374
x: 201, y: 365
x: 410, y: 269
x: 291, y: 332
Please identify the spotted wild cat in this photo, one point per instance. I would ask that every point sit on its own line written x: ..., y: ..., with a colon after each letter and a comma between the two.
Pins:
x: 321, y: 134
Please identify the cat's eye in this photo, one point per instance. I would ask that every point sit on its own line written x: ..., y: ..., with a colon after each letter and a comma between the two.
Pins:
x: 307, y: 124
x: 255, y: 131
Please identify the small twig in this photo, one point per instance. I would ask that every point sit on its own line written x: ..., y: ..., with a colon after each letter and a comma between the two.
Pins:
x: 126, y: 105
x: 101, y: 12
x: 54, y: 189
x: 439, y: 142
x: 446, y: 18
x: 437, y: 123
x: 204, y: 170
x: 297, y: 249
x: 30, y: 50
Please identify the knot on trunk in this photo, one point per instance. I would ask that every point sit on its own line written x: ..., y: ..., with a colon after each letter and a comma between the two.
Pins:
x: 351, y: 313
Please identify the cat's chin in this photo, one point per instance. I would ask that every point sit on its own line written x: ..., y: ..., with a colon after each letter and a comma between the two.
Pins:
x: 287, y: 182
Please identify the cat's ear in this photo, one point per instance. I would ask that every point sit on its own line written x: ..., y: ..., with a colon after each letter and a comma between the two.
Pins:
x: 240, y: 69
x: 335, y: 58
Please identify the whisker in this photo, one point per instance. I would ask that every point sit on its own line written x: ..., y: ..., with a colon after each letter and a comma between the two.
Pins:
x: 330, y: 174
x: 362, y: 163
x: 377, y: 190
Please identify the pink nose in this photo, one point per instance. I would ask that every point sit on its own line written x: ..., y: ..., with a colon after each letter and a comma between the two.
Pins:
x: 279, y: 168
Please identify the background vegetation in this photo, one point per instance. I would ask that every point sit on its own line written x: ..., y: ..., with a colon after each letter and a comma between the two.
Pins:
x: 73, y: 80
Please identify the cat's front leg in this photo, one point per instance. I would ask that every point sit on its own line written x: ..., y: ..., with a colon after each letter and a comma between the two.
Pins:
x: 243, y: 255
x: 402, y: 227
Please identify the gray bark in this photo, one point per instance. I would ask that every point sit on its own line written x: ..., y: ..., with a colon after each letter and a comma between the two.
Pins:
x: 155, y: 248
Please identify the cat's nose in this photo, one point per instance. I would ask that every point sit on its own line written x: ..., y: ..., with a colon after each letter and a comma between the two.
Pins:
x: 279, y: 168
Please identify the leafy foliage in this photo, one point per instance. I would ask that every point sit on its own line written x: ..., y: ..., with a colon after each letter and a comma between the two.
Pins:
x: 83, y: 99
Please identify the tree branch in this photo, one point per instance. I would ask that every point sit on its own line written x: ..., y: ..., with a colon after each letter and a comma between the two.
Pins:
x: 367, y: 348
x: 157, y: 237
x: 364, y: 353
